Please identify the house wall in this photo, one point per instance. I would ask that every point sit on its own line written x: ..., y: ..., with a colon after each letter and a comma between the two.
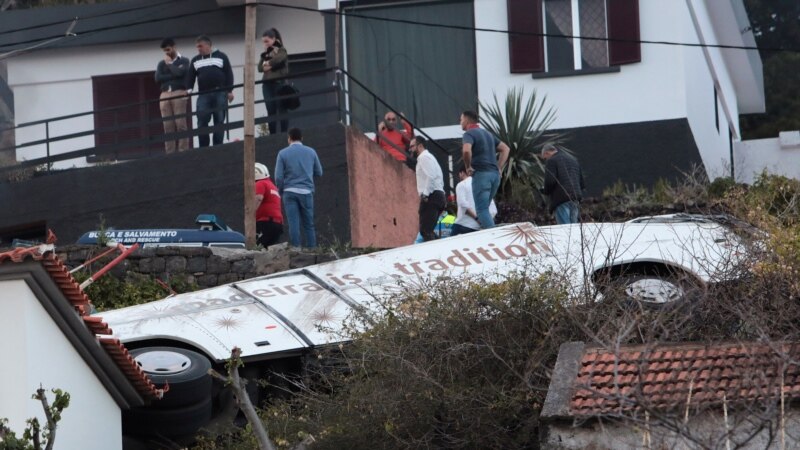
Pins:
x: 707, y: 430
x: 634, y: 153
x: 671, y: 82
x: 772, y: 155
x: 648, y: 91
x: 383, y: 195
x: 703, y: 68
x: 302, y: 31
x: 42, y: 92
x: 41, y: 355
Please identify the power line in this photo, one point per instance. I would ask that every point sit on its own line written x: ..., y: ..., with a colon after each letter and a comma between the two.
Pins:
x: 32, y: 47
x: 522, y: 33
x: 386, y: 19
x: 91, y: 16
x: 123, y: 25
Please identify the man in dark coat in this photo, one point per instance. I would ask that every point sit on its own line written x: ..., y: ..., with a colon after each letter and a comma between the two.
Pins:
x: 563, y: 184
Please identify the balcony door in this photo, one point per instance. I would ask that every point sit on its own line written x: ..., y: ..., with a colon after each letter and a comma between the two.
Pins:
x: 127, y: 117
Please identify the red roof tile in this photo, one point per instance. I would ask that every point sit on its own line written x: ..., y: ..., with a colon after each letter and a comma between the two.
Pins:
x: 80, y: 301
x: 667, y: 376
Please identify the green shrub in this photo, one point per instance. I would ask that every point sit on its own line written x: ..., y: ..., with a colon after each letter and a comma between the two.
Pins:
x: 468, y: 365
x: 464, y: 365
x: 109, y: 292
x: 720, y: 187
x: 663, y: 192
x: 779, y: 195
x: 521, y: 121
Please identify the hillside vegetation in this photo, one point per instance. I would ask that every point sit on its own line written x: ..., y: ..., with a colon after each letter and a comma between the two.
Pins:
x: 468, y: 365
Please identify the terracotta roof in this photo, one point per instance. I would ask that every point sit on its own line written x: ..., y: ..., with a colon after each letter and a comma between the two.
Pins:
x: 662, y: 377
x: 80, y: 301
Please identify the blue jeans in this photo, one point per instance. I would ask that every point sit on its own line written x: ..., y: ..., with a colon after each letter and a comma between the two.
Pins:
x: 484, y: 188
x: 300, y: 210
x: 212, y: 104
x: 566, y: 212
x: 274, y: 107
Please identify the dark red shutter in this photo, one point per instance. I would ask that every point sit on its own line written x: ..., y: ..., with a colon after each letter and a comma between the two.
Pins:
x: 526, y: 51
x: 623, y: 23
x: 133, y: 90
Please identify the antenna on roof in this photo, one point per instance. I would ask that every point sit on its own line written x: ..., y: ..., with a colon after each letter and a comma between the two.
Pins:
x: 71, y: 27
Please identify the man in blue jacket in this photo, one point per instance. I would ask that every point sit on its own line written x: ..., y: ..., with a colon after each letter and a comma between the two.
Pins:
x: 212, y: 70
x: 295, y: 169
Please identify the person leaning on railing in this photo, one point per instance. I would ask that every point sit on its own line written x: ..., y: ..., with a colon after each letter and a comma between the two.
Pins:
x: 212, y: 70
x: 394, y: 136
x: 171, y: 76
x: 274, y: 64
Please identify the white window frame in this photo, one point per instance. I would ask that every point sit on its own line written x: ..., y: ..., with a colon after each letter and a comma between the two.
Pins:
x: 577, y: 55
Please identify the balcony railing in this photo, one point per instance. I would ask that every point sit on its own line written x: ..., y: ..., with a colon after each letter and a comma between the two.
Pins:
x: 333, y: 103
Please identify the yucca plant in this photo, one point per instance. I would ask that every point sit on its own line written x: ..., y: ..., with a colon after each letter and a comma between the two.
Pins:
x: 522, y: 123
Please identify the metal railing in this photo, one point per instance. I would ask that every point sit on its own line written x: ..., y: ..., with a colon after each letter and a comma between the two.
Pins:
x: 153, y: 134
x: 378, y: 108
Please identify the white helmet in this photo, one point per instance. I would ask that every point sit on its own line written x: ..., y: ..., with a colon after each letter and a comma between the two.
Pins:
x: 261, y: 171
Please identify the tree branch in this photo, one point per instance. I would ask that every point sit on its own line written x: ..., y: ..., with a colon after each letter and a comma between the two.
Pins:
x: 243, y: 400
x: 48, y: 414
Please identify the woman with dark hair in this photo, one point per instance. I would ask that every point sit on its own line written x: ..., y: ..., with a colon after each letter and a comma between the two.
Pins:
x: 274, y: 64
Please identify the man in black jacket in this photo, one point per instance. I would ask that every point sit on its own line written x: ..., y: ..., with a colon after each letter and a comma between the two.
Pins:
x: 171, y: 77
x: 214, y: 77
x: 563, y: 184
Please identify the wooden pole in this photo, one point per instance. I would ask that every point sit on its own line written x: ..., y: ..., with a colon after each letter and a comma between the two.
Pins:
x: 336, y: 38
x: 249, y: 125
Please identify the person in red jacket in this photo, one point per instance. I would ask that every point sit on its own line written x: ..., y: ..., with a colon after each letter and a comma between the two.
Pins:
x: 269, y: 219
x: 394, y: 134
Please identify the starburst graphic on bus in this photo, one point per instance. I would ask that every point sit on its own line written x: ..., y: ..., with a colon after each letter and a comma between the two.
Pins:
x: 228, y: 323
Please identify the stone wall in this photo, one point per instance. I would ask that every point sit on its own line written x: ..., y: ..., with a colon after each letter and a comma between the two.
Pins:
x: 207, y: 267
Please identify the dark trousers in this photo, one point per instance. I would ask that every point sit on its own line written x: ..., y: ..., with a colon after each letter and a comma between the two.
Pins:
x: 268, y: 233
x: 213, y: 104
x: 461, y: 229
x: 429, y: 210
x: 274, y: 107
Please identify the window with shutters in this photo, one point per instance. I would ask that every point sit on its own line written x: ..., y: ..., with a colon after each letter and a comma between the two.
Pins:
x: 564, y: 22
x: 571, y: 36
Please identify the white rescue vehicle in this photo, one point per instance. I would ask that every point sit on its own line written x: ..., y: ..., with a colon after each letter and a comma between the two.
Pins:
x: 279, y: 318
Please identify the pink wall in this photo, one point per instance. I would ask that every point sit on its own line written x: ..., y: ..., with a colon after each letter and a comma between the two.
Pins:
x: 383, y: 195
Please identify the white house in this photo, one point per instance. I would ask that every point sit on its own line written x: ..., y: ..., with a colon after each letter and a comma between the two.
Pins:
x: 647, y: 97
x: 655, y: 96
x: 49, y: 340
x: 779, y: 156
x: 707, y: 87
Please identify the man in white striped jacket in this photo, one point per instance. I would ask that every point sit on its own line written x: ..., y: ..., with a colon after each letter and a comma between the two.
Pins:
x: 214, y: 77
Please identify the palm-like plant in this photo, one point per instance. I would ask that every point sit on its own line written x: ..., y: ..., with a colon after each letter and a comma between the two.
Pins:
x: 522, y: 123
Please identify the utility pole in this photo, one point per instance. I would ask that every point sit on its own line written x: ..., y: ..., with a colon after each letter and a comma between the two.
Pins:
x: 338, y: 32
x: 249, y: 124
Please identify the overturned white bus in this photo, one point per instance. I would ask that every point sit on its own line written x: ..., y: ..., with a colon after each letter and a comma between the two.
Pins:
x: 280, y: 318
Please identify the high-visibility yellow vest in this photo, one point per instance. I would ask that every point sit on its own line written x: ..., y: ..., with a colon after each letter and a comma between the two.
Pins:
x: 444, y: 227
